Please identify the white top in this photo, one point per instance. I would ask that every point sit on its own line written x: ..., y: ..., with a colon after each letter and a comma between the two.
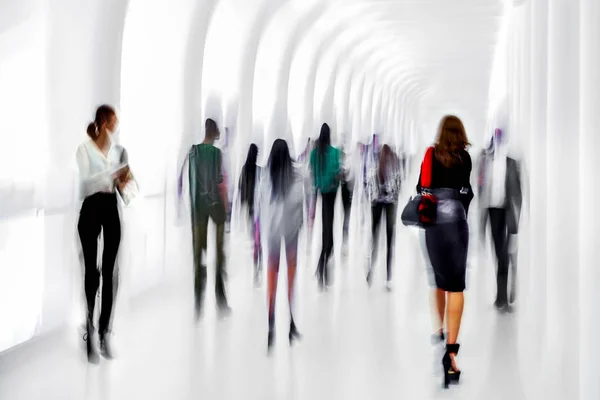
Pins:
x: 497, y: 180
x: 96, y: 170
x: 281, y: 217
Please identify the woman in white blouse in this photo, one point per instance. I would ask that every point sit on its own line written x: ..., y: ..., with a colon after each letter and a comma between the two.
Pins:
x: 103, y: 169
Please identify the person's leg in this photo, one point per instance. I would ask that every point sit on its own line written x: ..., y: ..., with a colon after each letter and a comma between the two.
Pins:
x: 438, y: 300
x: 272, y: 275
x: 390, y: 215
x: 291, y: 252
x: 499, y: 236
x: 437, y: 249
x: 257, y: 251
x: 112, y: 239
x: 327, y: 205
x: 347, y: 203
x: 322, y: 257
x: 329, y: 201
x: 221, y: 273
x: 89, y: 230
x: 457, y: 255
x: 376, y: 211
x: 513, y: 258
x: 454, y: 313
x: 199, y: 234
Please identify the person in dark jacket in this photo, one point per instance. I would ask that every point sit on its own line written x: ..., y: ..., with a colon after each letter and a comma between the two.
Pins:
x: 500, y: 199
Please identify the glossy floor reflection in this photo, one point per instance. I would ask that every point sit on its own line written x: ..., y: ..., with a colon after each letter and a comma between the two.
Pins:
x: 358, y: 343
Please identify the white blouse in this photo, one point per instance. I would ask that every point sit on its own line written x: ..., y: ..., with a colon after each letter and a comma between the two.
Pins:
x: 96, y: 170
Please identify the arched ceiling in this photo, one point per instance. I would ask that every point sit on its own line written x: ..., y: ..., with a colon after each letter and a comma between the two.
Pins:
x: 443, y: 50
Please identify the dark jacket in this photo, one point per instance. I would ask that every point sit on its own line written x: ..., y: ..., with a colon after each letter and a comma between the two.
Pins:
x: 514, y: 197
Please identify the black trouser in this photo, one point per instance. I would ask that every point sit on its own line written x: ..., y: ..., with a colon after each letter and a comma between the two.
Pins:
x: 500, y: 238
x: 328, y: 206
x: 347, y: 203
x: 100, y: 212
x: 199, y: 233
x: 390, y: 215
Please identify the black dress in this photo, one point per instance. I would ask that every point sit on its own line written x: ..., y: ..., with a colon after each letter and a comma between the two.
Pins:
x: 448, y: 240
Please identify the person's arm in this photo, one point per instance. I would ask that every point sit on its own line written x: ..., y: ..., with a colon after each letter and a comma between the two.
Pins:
x: 222, y: 182
x: 419, y: 188
x: 311, y: 168
x: 467, y: 197
x: 180, y: 179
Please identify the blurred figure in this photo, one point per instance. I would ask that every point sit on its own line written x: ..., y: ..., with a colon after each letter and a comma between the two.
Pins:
x: 310, y: 200
x: 208, y: 195
x: 447, y: 241
x: 347, y: 191
x: 500, y: 199
x: 325, y: 164
x: 384, y: 190
x: 281, y: 197
x: 102, y: 168
x: 249, y: 179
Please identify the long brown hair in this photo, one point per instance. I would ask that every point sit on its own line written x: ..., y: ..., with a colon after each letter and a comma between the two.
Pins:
x: 452, y: 139
x: 103, y: 115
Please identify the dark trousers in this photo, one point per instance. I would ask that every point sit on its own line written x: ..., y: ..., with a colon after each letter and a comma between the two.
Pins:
x: 500, y: 239
x: 347, y: 203
x: 100, y: 212
x: 377, y: 210
x: 199, y: 234
x: 328, y: 206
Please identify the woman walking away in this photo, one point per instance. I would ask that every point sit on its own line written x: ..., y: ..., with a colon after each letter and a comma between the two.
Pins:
x: 102, y: 168
x: 385, y: 188
x: 446, y: 173
x: 281, y: 198
x: 249, y: 179
x: 325, y: 163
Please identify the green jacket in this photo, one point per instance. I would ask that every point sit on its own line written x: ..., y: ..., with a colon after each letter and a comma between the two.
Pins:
x: 326, y: 172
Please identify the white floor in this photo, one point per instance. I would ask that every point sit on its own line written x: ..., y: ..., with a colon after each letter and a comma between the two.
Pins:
x: 358, y: 343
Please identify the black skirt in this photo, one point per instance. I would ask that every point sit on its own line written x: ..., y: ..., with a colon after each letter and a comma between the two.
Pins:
x: 447, y: 245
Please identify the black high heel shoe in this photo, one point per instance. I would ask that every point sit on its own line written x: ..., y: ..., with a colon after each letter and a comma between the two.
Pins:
x: 294, y: 334
x: 450, y: 374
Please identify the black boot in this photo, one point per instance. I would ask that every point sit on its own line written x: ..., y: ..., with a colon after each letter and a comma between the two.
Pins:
x: 450, y: 374
x: 294, y: 334
x: 88, y: 337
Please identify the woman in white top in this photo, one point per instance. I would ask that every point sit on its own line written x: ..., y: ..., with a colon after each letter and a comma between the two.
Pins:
x: 280, y: 200
x: 102, y: 169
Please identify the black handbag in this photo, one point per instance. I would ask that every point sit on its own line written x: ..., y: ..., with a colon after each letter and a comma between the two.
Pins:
x: 421, y: 210
x: 410, y: 214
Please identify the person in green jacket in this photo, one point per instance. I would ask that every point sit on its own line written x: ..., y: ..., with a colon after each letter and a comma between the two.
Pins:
x: 325, y: 164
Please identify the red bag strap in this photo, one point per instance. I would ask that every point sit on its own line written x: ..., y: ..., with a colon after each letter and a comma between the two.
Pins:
x: 427, y: 168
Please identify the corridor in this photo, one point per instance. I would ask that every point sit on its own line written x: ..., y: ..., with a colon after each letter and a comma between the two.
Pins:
x: 104, y: 105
